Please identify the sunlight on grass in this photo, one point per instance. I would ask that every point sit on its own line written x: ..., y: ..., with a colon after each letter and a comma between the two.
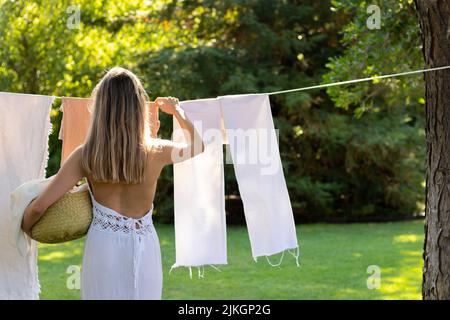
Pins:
x: 407, y: 238
x: 53, y: 255
x: 334, y: 261
x: 404, y: 282
x: 405, y: 286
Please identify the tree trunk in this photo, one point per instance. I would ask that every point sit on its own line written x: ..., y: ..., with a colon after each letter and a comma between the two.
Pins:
x: 434, y: 18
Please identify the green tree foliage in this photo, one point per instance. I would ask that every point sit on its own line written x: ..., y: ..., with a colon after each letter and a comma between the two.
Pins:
x: 363, y: 158
x: 40, y: 53
x: 385, y: 147
x: 393, y: 48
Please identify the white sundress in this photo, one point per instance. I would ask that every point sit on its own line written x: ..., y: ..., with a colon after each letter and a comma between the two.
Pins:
x: 122, y: 257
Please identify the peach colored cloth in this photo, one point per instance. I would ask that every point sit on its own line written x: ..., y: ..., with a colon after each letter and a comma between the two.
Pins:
x: 76, y: 120
x: 74, y: 124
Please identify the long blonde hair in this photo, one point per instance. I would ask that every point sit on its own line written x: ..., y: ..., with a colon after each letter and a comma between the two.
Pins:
x: 118, y: 140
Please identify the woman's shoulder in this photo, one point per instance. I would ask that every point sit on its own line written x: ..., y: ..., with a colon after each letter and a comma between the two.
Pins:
x: 73, y: 162
x: 157, y: 144
x: 76, y: 153
x: 160, y: 149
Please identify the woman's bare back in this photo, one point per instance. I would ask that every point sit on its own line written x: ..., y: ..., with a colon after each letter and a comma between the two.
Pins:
x: 131, y: 200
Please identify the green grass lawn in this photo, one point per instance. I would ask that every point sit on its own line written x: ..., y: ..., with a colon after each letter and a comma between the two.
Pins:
x: 334, y: 262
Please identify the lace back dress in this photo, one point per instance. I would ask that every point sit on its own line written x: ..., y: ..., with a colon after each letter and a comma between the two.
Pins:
x: 122, y: 257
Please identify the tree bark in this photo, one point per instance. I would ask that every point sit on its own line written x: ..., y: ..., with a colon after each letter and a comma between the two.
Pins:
x: 434, y: 18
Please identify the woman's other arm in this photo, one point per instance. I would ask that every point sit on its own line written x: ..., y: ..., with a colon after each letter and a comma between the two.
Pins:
x: 69, y: 174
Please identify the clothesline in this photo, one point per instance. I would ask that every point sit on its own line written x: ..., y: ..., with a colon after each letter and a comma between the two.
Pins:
x: 359, y: 80
x: 325, y: 85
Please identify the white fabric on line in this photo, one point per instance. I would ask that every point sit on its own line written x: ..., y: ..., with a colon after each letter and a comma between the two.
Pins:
x: 199, y: 192
x: 24, y: 130
x: 259, y: 173
x: 200, y: 229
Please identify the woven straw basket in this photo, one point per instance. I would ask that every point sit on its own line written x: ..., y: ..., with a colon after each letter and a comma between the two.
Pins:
x: 67, y: 219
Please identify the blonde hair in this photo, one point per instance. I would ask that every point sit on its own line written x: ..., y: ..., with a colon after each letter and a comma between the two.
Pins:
x: 118, y: 139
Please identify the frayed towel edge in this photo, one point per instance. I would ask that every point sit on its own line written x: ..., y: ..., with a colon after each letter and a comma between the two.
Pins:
x: 295, y: 253
x: 200, y: 268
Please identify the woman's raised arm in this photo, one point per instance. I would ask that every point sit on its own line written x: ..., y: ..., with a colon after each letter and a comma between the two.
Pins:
x: 173, y: 152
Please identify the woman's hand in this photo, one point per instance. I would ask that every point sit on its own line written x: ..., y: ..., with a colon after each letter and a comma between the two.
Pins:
x: 30, y: 217
x: 192, y: 145
x: 169, y: 105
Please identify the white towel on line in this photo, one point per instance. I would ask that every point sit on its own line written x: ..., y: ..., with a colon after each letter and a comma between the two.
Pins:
x: 24, y: 130
x: 200, y: 227
x: 200, y: 230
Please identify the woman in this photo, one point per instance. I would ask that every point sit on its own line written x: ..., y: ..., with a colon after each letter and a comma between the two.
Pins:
x: 122, y: 163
